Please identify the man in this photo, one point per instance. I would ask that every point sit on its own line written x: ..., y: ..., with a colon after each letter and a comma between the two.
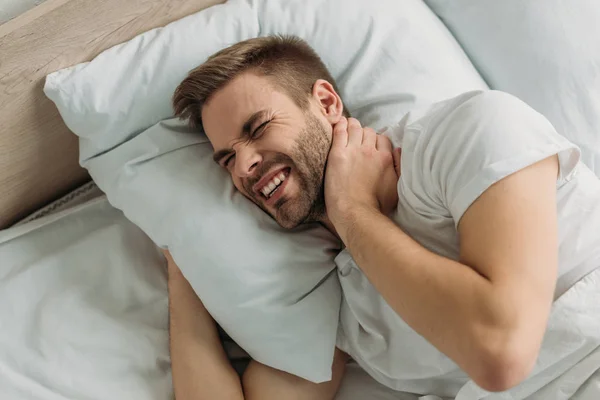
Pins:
x: 458, y: 234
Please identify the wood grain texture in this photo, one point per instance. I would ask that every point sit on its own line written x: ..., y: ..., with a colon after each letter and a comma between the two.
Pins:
x: 38, y: 153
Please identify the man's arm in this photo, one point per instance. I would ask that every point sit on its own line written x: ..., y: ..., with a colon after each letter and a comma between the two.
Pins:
x: 265, y: 383
x: 487, y: 312
x: 200, y: 366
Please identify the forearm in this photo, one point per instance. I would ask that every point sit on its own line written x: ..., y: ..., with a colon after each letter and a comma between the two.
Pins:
x: 265, y: 383
x: 450, y: 304
x: 200, y: 366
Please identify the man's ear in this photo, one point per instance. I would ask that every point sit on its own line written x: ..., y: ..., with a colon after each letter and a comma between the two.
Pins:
x: 329, y: 102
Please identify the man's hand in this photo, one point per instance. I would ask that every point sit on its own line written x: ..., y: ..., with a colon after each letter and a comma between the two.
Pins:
x: 360, y: 173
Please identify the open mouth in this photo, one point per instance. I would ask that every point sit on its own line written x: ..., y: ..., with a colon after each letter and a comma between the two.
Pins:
x: 272, y: 188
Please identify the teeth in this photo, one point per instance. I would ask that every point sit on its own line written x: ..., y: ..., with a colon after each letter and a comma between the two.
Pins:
x: 276, y: 181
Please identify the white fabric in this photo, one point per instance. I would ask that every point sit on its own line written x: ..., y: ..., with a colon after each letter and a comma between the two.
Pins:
x: 384, y: 55
x: 83, y: 310
x: 87, y: 316
x: 568, y: 367
x: 451, y: 153
x: 273, y: 291
x: 10, y: 9
x: 271, y: 295
x: 543, y: 51
x: 78, y: 196
x: 358, y: 385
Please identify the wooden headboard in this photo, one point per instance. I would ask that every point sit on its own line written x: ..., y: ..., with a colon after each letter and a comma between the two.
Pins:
x: 38, y: 153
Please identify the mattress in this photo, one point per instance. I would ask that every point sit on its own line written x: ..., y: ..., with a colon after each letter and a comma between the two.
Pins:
x: 78, y: 196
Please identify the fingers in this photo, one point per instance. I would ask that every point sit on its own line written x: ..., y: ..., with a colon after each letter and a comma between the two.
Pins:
x: 369, y: 137
x: 348, y: 132
x: 384, y: 143
x: 355, y: 132
x: 340, y: 133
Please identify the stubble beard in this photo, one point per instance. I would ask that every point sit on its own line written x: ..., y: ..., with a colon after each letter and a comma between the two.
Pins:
x: 308, y: 160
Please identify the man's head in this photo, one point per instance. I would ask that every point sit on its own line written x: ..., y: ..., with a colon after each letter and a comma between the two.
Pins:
x: 267, y: 106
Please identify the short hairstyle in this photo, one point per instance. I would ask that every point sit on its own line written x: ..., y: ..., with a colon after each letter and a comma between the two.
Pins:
x: 291, y: 64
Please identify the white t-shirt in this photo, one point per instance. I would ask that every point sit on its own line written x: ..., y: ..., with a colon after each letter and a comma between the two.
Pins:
x: 451, y: 153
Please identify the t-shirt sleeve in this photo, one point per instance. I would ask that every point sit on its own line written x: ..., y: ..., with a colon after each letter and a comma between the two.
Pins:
x: 484, y: 137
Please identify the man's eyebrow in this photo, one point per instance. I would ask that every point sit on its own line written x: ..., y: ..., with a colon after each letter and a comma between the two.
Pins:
x: 218, y: 155
x: 251, y: 121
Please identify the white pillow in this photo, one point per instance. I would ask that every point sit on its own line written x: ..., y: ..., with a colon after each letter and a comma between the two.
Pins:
x: 271, y: 290
x: 544, y: 52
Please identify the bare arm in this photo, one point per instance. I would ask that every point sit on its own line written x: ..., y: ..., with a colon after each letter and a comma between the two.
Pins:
x: 200, y: 366
x: 489, y: 310
x: 262, y: 382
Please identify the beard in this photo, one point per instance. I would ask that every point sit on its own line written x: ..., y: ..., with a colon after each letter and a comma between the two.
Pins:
x: 308, y: 159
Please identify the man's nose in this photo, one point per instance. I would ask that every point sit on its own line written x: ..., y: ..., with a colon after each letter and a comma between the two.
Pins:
x: 247, y: 161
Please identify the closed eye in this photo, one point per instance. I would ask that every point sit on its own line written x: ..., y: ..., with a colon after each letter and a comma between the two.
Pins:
x: 259, y: 130
x: 228, y: 160
x: 254, y: 135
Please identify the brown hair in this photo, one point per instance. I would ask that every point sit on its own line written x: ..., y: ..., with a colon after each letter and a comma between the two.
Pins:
x: 289, y: 61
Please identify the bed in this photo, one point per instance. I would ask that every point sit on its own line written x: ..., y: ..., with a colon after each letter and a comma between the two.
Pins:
x: 72, y: 328
x: 42, y: 182
x: 45, y: 354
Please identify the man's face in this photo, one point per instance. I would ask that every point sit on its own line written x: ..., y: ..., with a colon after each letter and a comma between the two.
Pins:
x: 275, y: 151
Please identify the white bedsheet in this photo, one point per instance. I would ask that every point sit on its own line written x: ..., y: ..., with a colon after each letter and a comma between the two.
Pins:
x: 84, y: 316
x: 568, y: 366
x: 84, y: 309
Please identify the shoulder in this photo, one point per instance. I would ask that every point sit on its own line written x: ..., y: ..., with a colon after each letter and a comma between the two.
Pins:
x: 485, y: 121
x: 464, y: 115
x: 481, y: 106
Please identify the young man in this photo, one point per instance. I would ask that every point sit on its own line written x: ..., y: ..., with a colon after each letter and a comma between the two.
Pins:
x: 460, y: 234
